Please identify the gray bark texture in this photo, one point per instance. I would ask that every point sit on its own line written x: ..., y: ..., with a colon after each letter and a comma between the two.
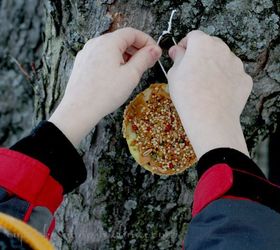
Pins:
x: 21, y: 26
x: 121, y: 206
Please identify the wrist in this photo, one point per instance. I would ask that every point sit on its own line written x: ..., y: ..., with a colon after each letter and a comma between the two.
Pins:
x: 208, y: 134
x: 73, y: 122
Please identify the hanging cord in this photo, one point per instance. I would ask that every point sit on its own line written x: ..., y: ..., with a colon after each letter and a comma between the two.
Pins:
x: 164, y: 33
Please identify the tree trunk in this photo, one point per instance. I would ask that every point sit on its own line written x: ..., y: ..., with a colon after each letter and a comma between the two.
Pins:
x: 20, y: 50
x: 121, y: 206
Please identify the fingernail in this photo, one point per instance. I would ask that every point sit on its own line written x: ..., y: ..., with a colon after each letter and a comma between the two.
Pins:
x: 155, y: 52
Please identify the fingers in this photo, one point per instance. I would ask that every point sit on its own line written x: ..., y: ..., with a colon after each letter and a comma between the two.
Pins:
x: 131, y: 50
x: 129, y: 53
x: 183, y: 42
x: 139, y: 50
x: 198, y: 41
x: 128, y: 37
x: 142, y: 60
x: 177, y: 53
x: 192, y: 36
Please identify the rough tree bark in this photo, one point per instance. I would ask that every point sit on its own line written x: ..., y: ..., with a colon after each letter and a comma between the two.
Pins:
x: 21, y: 26
x: 121, y: 206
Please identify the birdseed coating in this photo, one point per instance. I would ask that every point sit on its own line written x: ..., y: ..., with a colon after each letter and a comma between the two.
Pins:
x: 160, y: 137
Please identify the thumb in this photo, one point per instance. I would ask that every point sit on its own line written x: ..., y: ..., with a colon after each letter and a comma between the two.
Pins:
x: 176, y: 53
x: 143, y: 59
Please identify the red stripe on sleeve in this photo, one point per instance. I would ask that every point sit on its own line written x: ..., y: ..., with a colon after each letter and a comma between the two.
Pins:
x: 29, y: 179
x: 213, y: 184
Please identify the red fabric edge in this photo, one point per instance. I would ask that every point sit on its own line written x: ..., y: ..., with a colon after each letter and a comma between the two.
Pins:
x: 29, y: 179
x: 51, y: 195
x: 231, y: 197
x: 50, y: 230
x: 28, y: 213
x: 258, y: 177
x: 215, y: 182
x: 21, y: 174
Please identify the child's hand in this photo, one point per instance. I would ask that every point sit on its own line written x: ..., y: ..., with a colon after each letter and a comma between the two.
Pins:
x: 209, y: 88
x: 105, y: 73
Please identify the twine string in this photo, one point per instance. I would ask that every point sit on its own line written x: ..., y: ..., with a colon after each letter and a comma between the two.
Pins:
x: 168, y: 31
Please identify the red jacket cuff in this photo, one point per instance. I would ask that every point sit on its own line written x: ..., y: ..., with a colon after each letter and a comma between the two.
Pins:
x: 223, y: 181
x: 29, y: 179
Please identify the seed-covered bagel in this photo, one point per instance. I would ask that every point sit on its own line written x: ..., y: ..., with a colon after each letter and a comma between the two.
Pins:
x: 154, y: 133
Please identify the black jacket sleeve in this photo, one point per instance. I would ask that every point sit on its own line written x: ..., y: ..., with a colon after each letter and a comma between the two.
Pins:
x: 235, y: 206
x: 50, y: 146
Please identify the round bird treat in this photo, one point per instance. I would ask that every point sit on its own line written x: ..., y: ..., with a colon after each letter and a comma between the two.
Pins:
x: 154, y: 133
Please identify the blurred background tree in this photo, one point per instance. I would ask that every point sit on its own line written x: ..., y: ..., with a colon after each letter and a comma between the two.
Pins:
x: 121, y: 206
